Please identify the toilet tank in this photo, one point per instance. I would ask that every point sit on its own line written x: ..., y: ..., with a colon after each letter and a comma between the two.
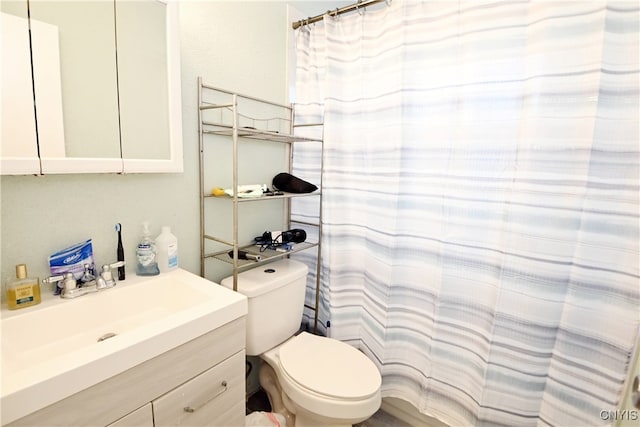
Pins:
x: 275, y: 294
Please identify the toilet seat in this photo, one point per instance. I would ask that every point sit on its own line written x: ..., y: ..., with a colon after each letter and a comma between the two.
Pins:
x: 328, y: 367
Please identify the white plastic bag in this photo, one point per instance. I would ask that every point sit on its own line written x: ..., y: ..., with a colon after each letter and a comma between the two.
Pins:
x: 265, y: 419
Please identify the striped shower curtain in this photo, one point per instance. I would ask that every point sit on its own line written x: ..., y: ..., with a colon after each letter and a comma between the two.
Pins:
x: 480, y: 201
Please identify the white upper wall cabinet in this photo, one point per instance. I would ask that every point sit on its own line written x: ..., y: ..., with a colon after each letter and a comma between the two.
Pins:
x: 18, y: 144
x: 117, y: 106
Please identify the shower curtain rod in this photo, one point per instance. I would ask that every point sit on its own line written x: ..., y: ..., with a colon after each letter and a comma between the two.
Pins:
x: 337, y: 11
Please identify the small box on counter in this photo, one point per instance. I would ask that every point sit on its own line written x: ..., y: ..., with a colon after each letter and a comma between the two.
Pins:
x: 73, y: 259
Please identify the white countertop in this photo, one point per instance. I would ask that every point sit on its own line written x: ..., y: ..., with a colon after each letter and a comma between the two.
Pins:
x: 50, y: 351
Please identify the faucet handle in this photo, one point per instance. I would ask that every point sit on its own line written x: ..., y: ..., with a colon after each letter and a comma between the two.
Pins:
x: 106, y: 279
x: 105, y: 273
x: 64, y: 282
x: 53, y: 279
x: 69, y: 281
x: 106, y: 269
x: 113, y: 265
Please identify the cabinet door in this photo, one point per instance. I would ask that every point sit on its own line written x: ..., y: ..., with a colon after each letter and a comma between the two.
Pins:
x: 141, y: 417
x: 149, y: 85
x: 18, y: 145
x: 142, y: 73
x: 87, y: 71
x: 215, y: 397
x: 45, y: 57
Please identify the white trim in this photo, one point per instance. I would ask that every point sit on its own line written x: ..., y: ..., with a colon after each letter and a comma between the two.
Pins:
x: 175, y: 88
x: 20, y: 166
x: 62, y: 165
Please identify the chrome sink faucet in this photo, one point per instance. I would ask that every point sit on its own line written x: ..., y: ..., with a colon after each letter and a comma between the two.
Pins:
x: 69, y: 287
x: 106, y: 279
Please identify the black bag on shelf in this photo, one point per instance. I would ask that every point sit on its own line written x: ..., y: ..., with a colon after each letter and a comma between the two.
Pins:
x: 291, y: 184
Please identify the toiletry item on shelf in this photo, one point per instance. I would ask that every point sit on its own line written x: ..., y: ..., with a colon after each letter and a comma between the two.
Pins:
x: 73, y: 259
x: 167, y: 246
x: 244, y: 191
x: 23, y: 291
x: 120, y: 252
x: 286, y: 182
x: 146, y: 254
x: 217, y: 191
x: 246, y: 255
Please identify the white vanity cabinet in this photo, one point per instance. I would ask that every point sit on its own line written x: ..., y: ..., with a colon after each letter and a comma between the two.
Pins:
x: 200, y: 383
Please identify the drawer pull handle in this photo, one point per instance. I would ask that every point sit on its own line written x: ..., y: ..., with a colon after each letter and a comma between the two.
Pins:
x: 191, y: 409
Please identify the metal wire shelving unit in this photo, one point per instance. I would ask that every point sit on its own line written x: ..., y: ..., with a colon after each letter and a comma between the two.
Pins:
x: 223, y: 117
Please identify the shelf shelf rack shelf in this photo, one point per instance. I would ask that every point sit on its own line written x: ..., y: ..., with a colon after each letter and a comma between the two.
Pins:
x: 229, y: 121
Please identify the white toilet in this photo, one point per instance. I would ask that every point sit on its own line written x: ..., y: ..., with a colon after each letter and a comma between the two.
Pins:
x: 311, y: 380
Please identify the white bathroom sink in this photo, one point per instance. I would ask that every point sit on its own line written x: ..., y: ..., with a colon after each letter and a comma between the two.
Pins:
x: 54, y: 350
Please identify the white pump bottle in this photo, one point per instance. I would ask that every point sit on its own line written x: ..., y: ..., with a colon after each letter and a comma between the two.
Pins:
x: 167, y: 247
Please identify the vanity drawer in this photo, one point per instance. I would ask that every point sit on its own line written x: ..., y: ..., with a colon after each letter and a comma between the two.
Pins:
x: 141, y: 417
x: 211, y: 398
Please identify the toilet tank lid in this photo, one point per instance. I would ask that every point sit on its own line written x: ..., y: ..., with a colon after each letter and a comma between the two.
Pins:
x: 267, y: 277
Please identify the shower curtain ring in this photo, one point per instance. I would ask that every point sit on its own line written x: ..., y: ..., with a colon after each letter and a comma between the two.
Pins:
x: 358, y: 8
x: 388, y: 2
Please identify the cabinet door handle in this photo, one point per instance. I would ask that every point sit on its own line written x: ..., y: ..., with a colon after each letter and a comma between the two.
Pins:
x: 191, y: 409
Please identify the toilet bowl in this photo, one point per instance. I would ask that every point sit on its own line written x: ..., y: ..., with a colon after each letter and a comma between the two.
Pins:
x: 313, y: 381
x: 322, y: 381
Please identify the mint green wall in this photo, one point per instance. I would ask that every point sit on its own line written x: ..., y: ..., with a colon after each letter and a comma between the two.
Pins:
x: 236, y: 45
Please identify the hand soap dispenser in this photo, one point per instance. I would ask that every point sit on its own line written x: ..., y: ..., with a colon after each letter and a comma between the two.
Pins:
x: 146, y: 254
x: 23, y: 291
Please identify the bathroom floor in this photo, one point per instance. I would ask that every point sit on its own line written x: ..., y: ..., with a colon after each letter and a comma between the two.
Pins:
x: 382, y: 419
x: 260, y: 402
